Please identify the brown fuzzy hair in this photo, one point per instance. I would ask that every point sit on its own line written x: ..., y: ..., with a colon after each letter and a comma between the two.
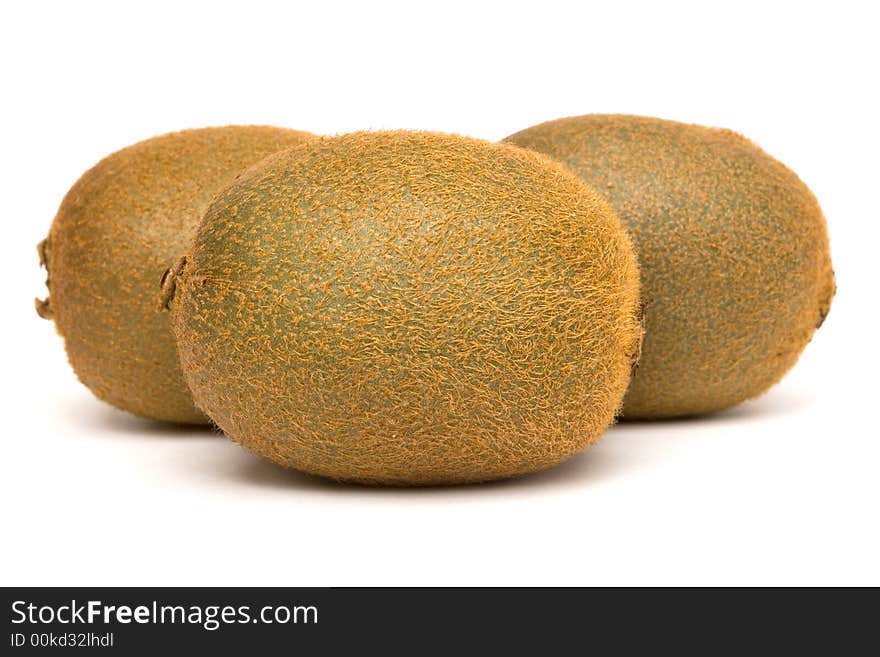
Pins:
x: 112, y: 238
x: 409, y: 308
x: 733, y: 249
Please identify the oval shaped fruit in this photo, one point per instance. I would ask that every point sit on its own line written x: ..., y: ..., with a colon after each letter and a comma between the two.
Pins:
x: 410, y: 309
x: 732, y: 246
x: 114, y: 234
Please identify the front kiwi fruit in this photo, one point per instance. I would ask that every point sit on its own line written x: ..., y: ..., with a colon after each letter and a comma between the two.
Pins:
x: 114, y: 234
x: 733, y: 251
x: 408, y: 309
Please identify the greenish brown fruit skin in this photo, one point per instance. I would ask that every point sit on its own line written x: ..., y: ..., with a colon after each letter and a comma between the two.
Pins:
x: 117, y: 230
x: 408, y: 308
x: 733, y: 250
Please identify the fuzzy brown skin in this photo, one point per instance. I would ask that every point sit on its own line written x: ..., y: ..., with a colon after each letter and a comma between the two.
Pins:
x: 409, y: 309
x: 733, y: 250
x: 116, y: 231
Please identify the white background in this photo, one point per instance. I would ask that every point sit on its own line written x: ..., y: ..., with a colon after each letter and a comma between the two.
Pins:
x: 782, y: 490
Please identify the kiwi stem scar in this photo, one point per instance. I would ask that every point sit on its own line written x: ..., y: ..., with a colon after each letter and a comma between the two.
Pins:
x: 43, y: 306
x: 168, y: 284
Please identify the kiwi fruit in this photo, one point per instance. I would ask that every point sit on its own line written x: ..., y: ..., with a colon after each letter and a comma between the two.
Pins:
x: 114, y: 234
x: 408, y: 308
x: 733, y: 251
